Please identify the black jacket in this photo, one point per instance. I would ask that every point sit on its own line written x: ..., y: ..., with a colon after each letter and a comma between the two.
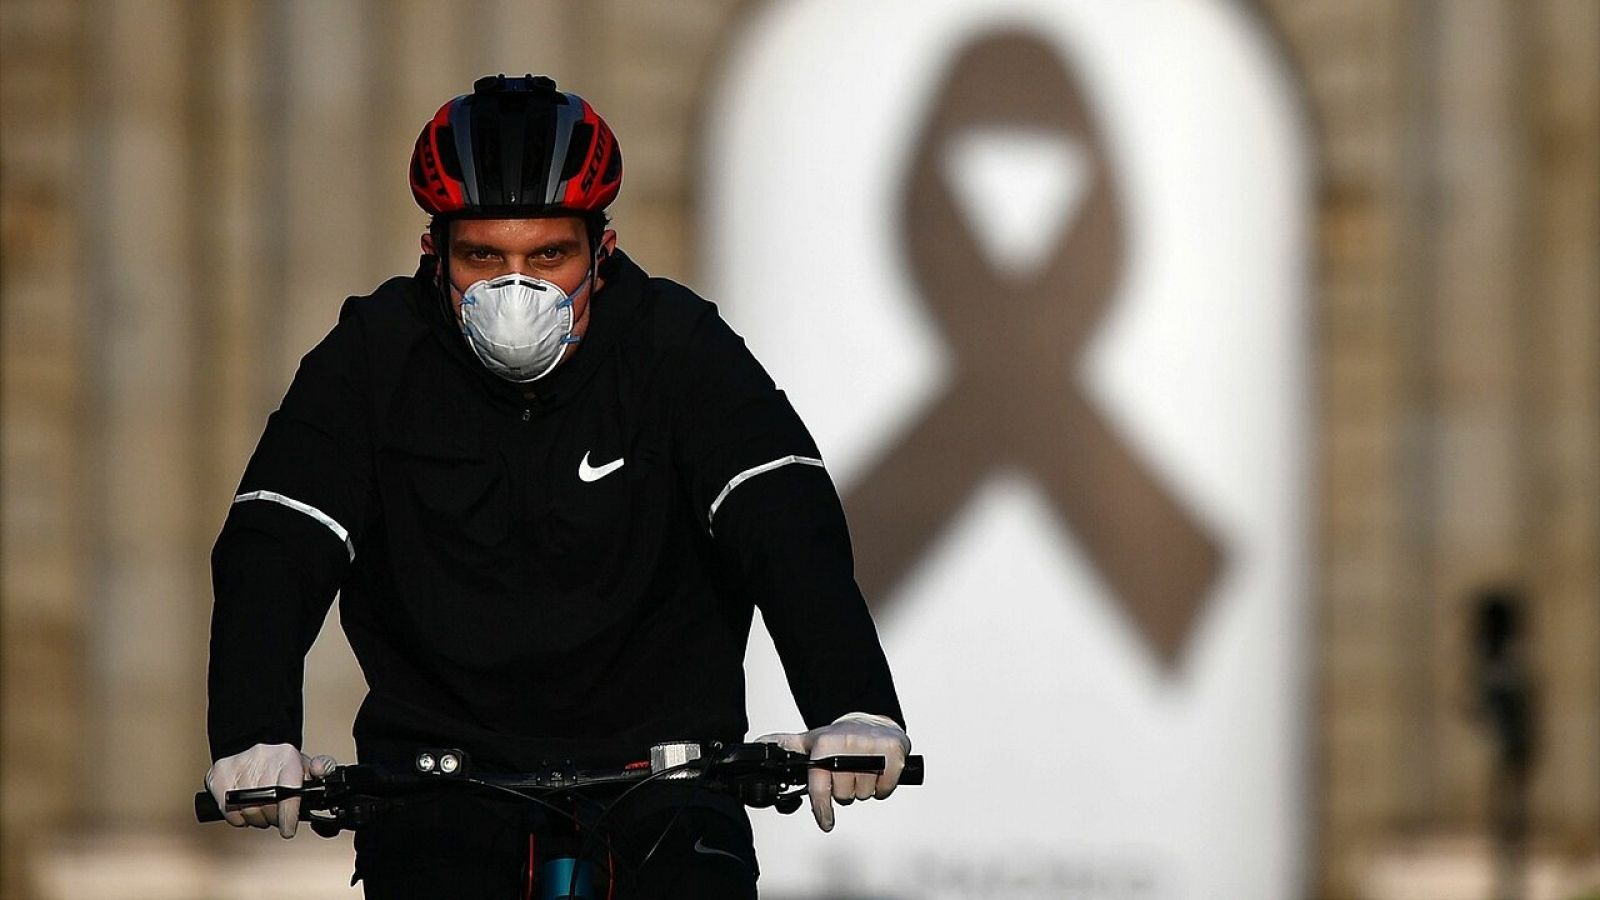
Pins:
x: 496, y: 600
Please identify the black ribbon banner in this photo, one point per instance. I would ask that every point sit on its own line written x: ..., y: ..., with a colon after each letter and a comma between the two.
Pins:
x: 1014, y: 337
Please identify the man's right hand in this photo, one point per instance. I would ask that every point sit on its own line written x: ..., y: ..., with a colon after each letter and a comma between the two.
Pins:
x: 265, y: 765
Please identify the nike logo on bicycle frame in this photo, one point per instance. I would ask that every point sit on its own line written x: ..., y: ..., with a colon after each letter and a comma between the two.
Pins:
x: 587, y: 472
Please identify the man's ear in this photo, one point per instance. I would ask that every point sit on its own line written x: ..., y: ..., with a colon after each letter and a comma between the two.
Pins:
x: 607, y: 245
x: 428, y: 250
x: 603, y: 259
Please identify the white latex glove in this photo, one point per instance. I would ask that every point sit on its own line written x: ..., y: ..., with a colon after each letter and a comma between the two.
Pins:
x: 265, y: 765
x: 853, y: 734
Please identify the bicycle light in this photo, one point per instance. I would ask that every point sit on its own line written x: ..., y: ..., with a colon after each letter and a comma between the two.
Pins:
x: 440, y: 762
x: 675, y: 753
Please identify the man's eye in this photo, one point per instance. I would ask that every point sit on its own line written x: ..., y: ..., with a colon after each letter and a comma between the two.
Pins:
x: 479, y: 255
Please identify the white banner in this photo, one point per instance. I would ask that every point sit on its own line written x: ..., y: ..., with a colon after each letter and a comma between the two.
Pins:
x: 1035, y: 274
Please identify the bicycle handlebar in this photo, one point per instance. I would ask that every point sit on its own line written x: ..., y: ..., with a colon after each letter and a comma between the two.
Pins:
x: 760, y: 774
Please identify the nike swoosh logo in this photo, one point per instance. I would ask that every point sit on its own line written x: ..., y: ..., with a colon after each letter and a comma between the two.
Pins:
x: 700, y: 847
x: 587, y: 472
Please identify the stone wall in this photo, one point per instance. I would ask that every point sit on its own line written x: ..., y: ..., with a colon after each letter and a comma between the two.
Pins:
x: 1460, y: 386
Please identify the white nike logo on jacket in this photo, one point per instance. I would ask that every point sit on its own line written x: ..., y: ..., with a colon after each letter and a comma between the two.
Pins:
x: 587, y: 472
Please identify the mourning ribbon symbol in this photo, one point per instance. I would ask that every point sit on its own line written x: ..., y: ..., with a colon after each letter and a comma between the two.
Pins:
x: 1014, y: 336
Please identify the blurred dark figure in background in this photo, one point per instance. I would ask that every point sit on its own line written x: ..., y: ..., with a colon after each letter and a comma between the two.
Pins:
x: 1505, y: 693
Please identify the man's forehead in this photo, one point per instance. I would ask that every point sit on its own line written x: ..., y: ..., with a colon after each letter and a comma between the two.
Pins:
x: 543, y: 230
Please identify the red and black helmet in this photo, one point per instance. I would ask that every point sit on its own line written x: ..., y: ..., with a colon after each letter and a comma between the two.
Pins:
x: 514, y: 148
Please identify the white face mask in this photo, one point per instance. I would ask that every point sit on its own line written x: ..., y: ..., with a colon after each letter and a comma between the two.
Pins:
x: 518, y: 326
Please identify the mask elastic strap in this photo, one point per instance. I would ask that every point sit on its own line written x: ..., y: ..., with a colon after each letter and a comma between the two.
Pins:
x: 588, y: 281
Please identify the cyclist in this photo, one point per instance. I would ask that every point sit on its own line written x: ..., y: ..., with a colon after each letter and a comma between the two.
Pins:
x: 548, y: 489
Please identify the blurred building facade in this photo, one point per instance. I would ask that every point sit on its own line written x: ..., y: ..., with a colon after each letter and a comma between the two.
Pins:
x: 187, y: 189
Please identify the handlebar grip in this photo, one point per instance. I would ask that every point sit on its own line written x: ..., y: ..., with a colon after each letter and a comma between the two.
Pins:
x: 912, y: 773
x: 205, y: 807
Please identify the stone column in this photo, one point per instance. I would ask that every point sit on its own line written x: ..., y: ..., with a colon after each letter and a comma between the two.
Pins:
x: 1469, y: 320
x: 45, y: 380
x: 1561, y: 98
x: 1350, y: 55
x: 142, y: 241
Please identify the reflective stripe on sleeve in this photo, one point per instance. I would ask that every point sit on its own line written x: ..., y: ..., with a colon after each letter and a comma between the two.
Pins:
x: 748, y: 474
x: 333, y: 526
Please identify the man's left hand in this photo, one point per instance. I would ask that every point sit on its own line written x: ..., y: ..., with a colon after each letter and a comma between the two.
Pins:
x: 852, y: 734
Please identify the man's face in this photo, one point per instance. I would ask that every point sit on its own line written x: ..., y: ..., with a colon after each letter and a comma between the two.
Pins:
x: 554, y: 249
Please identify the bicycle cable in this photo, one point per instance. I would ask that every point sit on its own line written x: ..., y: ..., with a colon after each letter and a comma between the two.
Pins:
x: 524, y: 795
x: 594, y: 829
x: 699, y: 784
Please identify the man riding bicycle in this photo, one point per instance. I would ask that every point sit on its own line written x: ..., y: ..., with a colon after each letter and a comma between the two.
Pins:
x: 549, y: 490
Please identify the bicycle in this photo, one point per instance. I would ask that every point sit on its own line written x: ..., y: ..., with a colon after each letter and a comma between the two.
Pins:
x: 760, y: 775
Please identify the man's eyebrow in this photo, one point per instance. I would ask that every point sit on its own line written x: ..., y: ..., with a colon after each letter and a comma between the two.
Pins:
x: 559, y: 244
